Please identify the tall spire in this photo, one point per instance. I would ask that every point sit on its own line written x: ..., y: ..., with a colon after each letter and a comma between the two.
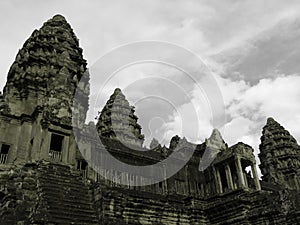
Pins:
x: 46, y: 70
x: 118, y: 121
x: 279, y: 155
x: 46, y: 52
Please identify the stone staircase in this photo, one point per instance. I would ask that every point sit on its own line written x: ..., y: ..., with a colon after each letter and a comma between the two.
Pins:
x: 66, y: 196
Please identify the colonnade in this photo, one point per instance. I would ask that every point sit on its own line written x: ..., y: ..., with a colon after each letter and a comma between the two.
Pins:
x: 231, y: 183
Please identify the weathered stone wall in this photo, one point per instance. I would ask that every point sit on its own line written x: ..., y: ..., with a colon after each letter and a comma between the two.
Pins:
x: 120, y: 206
x: 10, y: 129
x: 47, y: 193
x: 117, y: 206
x: 276, y: 207
x: 19, y: 196
x: 261, y: 207
x: 29, y: 141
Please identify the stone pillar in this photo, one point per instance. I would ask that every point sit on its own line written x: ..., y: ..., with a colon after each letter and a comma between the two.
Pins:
x: 11, y: 132
x: 202, y: 190
x: 72, y: 148
x: 296, y: 180
x: 165, y: 183
x: 255, y: 177
x: 37, y: 139
x: 229, y: 177
x: 240, y: 172
x: 187, y: 181
x: 45, y: 144
x: 65, y: 150
x: 23, y: 152
x: 245, y: 179
x: 127, y: 180
x: 217, y: 180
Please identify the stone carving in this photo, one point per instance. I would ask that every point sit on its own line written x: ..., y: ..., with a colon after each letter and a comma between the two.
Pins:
x: 174, y: 142
x: 50, y: 65
x: 3, y: 105
x: 215, y: 141
x: 278, y: 152
x: 118, y: 121
x: 213, y: 146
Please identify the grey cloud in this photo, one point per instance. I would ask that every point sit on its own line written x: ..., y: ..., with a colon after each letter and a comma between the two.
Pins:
x: 273, y: 53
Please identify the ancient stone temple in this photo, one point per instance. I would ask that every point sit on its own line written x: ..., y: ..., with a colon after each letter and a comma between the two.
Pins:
x: 50, y: 176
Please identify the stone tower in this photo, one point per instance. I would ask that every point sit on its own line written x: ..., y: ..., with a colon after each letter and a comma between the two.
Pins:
x: 38, y: 96
x: 279, y: 156
x: 118, y: 121
x: 46, y: 72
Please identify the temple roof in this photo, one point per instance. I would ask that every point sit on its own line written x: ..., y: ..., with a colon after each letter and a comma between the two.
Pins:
x: 216, y: 141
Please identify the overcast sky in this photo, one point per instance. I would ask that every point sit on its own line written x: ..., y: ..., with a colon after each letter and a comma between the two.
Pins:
x: 251, y: 48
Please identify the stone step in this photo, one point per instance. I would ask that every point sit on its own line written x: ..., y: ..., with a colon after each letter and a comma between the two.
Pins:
x: 54, y: 199
x: 64, y: 187
x: 62, y: 173
x: 66, y: 192
x: 58, y: 174
x: 59, y: 171
x: 58, y: 183
x: 67, y: 196
x: 55, y: 170
x: 68, y: 174
x: 72, y: 209
x: 78, y: 204
x: 72, y: 217
x: 69, y: 218
x: 62, y: 221
x: 66, y: 181
x: 54, y: 165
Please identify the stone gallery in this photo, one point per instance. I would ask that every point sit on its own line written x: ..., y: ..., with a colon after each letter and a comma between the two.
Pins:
x: 50, y: 175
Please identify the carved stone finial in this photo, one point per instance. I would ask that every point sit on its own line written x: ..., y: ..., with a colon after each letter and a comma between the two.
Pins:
x: 59, y: 17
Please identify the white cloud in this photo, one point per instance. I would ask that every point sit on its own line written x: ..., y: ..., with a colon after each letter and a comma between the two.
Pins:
x: 248, y: 110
